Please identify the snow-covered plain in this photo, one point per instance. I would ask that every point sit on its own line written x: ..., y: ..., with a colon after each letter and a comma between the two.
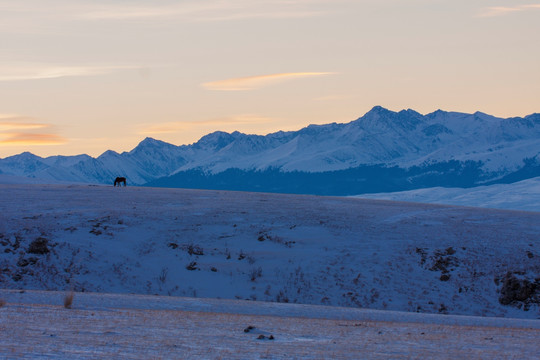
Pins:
x: 522, y: 195
x: 35, y: 324
x: 267, y: 247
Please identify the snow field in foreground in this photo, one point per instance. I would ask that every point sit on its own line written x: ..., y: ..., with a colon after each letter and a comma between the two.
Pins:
x: 35, y: 324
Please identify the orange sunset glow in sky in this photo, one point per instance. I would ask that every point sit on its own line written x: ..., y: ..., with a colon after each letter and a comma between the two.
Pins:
x: 81, y: 76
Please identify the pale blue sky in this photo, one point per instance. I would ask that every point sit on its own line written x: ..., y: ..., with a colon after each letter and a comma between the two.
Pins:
x: 87, y: 76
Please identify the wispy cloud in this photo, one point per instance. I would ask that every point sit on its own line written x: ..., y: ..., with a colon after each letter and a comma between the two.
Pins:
x: 256, y: 82
x: 23, y: 130
x: 335, y: 97
x: 211, y: 10
x: 494, y: 11
x: 176, y: 126
x: 19, y: 72
x: 15, y: 122
x: 32, y: 139
x: 66, y: 18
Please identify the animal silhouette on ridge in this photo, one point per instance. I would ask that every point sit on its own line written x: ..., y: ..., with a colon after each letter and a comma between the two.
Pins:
x: 119, y: 181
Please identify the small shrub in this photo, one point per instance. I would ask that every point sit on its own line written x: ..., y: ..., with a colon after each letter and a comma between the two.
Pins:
x: 450, y: 251
x: 96, y: 231
x: 274, y: 238
x: 38, y: 246
x: 443, y: 309
x: 249, y: 328
x: 262, y: 337
x: 163, y: 275
x: 516, y: 291
x: 25, y: 262
x: 423, y: 255
x: 68, y: 299
x: 192, y: 266
x: 18, y: 240
x: 22, y: 262
x: 193, y: 249
x: 281, y: 297
x: 255, y: 273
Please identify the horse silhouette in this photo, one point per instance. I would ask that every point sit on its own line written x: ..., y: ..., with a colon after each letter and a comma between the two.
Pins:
x: 119, y: 181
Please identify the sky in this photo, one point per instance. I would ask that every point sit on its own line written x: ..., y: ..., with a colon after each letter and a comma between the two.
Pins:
x: 81, y: 76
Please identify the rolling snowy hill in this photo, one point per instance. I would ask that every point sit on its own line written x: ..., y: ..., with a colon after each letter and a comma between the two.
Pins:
x: 381, y: 151
x: 522, y: 195
x: 271, y: 247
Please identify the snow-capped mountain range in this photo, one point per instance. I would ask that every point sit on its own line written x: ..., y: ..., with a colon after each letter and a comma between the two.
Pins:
x: 440, y: 148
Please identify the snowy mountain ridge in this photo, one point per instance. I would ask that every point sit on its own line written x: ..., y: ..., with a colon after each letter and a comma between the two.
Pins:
x: 521, y: 195
x: 381, y: 137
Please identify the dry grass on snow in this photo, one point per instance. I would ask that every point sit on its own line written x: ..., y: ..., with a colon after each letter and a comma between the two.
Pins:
x: 105, y: 332
x: 68, y: 299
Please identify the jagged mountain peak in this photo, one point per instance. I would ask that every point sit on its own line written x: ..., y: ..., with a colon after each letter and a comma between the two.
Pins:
x: 150, y: 141
x: 377, y: 109
x: 534, y: 118
x: 216, y: 140
x: 484, y: 117
x: 383, y: 113
x: 109, y: 153
x: 381, y: 119
x: 151, y: 145
x: 24, y: 164
x: 436, y: 113
x: 410, y: 112
x: 61, y: 160
x: 24, y: 156
x: 318, y: 129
